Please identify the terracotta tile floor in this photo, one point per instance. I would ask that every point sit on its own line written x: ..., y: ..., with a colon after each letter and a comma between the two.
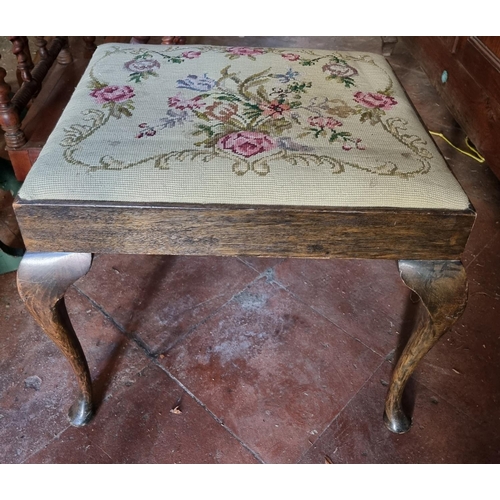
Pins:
x: 267, y: 360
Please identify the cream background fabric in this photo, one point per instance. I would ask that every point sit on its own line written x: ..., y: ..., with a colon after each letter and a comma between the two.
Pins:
x: 116, y: 144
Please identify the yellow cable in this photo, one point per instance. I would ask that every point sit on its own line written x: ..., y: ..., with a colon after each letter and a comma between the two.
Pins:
x: 475, y: 156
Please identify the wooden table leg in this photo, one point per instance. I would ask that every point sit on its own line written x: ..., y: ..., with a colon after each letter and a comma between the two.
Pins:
x: 442, y: 288
x: 42, y: 280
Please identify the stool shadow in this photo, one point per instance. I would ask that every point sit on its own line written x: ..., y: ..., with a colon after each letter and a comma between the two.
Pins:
x: 150, y: 284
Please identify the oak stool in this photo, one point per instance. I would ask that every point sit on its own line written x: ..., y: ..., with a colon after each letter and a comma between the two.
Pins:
x: 205, y: 150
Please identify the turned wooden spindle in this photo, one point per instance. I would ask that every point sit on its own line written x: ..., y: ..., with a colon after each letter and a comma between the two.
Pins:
x: 140, y: 39
x: 173, y: 40
x: 64, y: 57
x: 89, y: 42
x: 9, y: 117
x: 24, y: 63
x: 41, y: 43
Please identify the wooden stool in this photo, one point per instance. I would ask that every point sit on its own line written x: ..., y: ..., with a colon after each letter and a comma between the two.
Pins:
x: 201, y: 150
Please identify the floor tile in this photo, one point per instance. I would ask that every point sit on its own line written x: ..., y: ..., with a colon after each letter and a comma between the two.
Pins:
x: 273, y: 370
x: 37, y: 385
x: 440, y: 433
x: 365, y: 298
x: 160, y: 298
x: 261, y: 264
x: 139, y: 427
x: 72, y: 447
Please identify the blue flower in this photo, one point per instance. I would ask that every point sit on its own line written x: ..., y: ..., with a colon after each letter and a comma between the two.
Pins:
x: 174, y: 117
x: 194, y: 82
x: 288, y: 76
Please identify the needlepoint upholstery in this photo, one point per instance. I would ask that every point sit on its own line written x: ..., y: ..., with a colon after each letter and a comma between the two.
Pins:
x: 240, y: 125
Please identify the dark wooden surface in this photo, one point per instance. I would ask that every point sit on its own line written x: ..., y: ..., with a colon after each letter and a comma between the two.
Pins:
x: 442, y: 288
x: 243, y: 230
x: 42, y: 281
x: 472, y: 91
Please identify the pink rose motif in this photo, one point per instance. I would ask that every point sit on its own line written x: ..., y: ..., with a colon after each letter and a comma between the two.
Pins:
x: 341, y: 70
x: 321, y: 122
x: 191, y: 54
x: 375, y: 100
x: 291, y: 57
x: 112, y: 93
x: 178, y: 102
x: 247, y: 143
x: 245, y: 51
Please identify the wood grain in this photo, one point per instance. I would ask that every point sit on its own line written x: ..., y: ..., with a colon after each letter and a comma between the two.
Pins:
x: 243, y: 230
x: 42, y: 280
x: 472, y: 91
x: 442, y: 287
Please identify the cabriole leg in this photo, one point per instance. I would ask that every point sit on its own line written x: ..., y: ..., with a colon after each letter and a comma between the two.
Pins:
x: 442, y: 288
x: 42, y: 280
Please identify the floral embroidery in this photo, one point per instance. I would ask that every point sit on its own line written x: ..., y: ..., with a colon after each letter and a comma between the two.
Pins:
x: 250, y: 52
x: 191, y: 54
x: 144, y: 65
x: 117, y: 98
x: 247, y: 143
x: 194, y: 82
x: 141, y: 68
x: 319, y: 121
x: 255, y: 119
x: 221, y: 111
x: 288, y: 76
x: 290, y: 56
x: 375, y: 100
x: 178, y: 102
x: 274, y: 109
x: 112, y: 93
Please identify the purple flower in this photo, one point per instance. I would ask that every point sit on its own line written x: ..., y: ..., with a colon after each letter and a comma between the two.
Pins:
x: 142, y: 65
x: 112, y: 93
x: 174, y: 117
x: 199, y: 83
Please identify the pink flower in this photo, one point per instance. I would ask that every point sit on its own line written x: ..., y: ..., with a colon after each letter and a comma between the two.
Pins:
x: 246, y: 143
x: 191, y: 54
x: 321, y: 122
x: 291, y: 57
x: 245, y: 51
x: 178, y: 102
x: 375, y: 100
x: 112, y: 93
x: 274, y: 109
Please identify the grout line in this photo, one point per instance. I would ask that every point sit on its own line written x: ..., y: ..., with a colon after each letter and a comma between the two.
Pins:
x: 482, y: 249
x: 343, y: 408
x: 298, y: 299
x: 57, y: 436
x: 214, y: 312
x: 210, y: 412
x: 110, y: 318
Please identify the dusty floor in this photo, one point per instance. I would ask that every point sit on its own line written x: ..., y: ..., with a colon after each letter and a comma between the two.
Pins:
x: 267, y: 360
